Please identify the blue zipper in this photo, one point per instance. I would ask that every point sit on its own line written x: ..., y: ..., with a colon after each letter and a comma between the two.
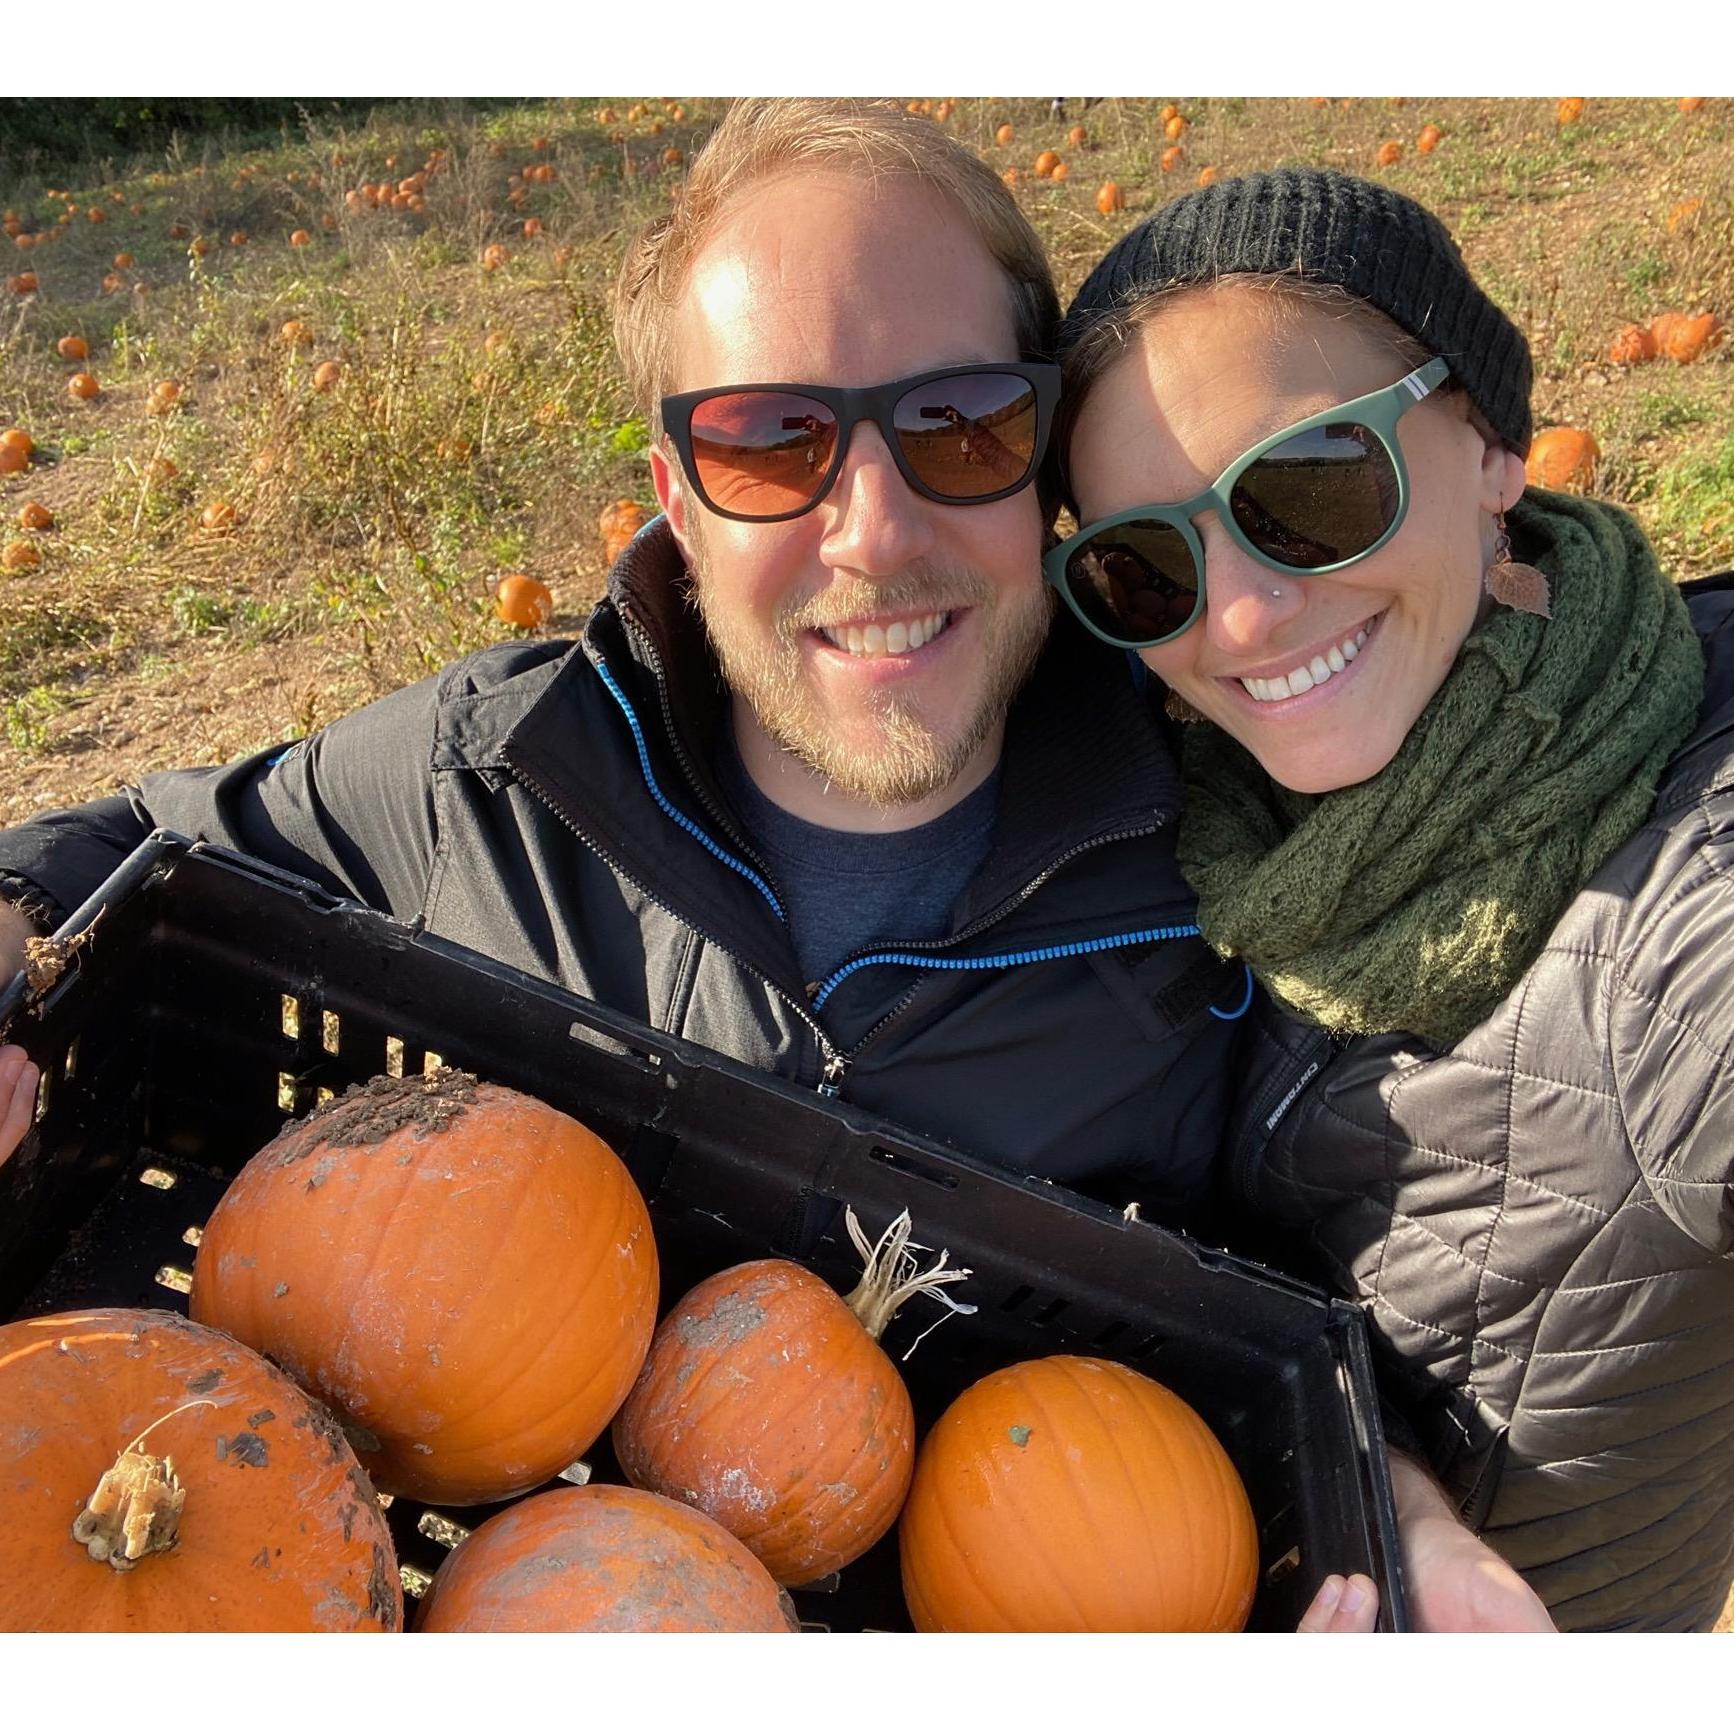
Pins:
x: 690, y: 826
x: 916, y: 960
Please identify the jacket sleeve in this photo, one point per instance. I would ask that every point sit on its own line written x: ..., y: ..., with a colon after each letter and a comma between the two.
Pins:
x: 1671, y: 1035
x: 350, y: 807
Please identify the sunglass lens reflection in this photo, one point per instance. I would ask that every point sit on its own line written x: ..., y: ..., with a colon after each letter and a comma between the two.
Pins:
x: 762, y: 453
x: 969, y: 435
x: 1320, y: 498
x: 1136, y: 581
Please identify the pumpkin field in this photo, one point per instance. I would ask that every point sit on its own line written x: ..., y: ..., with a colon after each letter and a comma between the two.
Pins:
x: 289, y: 412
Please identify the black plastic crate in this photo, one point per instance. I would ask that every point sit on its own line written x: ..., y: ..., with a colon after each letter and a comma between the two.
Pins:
x: 211, y: 996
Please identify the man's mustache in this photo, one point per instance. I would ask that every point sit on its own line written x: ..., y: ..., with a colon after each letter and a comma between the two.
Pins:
x: 916, y: 592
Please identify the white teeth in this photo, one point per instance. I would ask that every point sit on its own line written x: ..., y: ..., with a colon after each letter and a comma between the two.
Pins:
x: 1309, y: 675
x: 897, y: 639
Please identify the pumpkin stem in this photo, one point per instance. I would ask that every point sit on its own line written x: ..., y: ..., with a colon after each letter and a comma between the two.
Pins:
x: 892, y: 1276
x: 137, y: 1505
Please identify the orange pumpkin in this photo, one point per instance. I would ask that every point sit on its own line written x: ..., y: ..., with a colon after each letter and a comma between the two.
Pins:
x: 348, y: 1251
x: 16, y: 439
x: 520, y: 600
x: 1077, y: 138
x: 20, y: 557
x: 1109, y: 198
x: 83, y: 386
x: 1691, y: 104
x: 1045, y: 163
x: 326, y: 375
x: 1389, y: 152
x: 1428, y: 141
x: 24, y: 283
x: 73, y: 348
x: 673, y: 157
x: 1168, y: 112
x: 494, y: 256
x: 160, y: 1477
x: 1684, y: 338
x: 602, y: 1559
x: 219, y: 515
x: 1010, y: 177
x: 296, y: 334
x: 622, y: 521
x: 1172, y: 158
x: 13, y: 460
x: 300, y: 238
x: 1174, y: 128
x: 1570, y: 110
x: 1004, y: 134
x: 33, y: 515
x: 767, y: 1403
x: 1633, y: 344
x: 123, y: 261
x: 1561, y: 458
x: 532, y: 227
x: 1684, y: 215
x: 1059, y: 172
x: 1207, y: 176
x: 1110, y: 1481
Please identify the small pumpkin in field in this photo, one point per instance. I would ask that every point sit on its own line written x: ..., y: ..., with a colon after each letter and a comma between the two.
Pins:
x: 72, y: 348
x: 619, y: 523
x: 13, y: 460
x: 1045, y: 163
x: 1108, y: 1479
x: 33, y: 515
x: 1388, y: 153
x: 300, y: 238
x: 1175, y: 127
x: 494, y: 257
x: 158, y: 1476
x: 1562, y: 458
x: 1109, y: 198
x: 1059, y: 172
x: 767, y: 1403
x: 1686, y: 337
x: 1631, y: 345
x: 1004, y: 134
x: 1691, y: 104
x: 83, y: 386
x: 326, y: 375
x: 16, y: 439
x: 24, y: 283
x: 465, y: 1275
x: 1077, y: 138
x: 20, y: 557
x: 1172, y: 158
x: 1428, y: 140
x: 218, y: 516
x: 1207, y: 176
x: 1570, y: 110
x: 602, y: 1559
x: 1684, y: 215
x: 520, y: 600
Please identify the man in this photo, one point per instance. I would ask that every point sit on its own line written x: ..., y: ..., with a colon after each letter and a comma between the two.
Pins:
x: 867, y: 827
x: 870, y: 827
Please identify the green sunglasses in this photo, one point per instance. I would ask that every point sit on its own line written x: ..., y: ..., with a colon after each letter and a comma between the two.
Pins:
x: 1310, y: 499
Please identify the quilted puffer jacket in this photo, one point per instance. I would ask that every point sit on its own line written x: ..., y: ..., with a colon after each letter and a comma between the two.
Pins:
x: 1539, y: 1221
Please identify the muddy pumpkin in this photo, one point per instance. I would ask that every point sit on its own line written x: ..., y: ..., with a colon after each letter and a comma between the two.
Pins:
x: 158, y: 1476
x: 603, y: 1559
x: 464, y: 1274
x: 767, y: 1403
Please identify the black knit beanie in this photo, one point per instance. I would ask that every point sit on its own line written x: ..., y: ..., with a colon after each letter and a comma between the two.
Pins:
x: 1380, y: 246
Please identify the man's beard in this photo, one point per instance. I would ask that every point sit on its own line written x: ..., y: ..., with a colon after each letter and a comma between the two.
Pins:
x: 906, y: 759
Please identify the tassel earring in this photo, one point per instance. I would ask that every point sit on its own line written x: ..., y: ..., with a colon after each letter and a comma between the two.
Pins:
x: 1512, y: 582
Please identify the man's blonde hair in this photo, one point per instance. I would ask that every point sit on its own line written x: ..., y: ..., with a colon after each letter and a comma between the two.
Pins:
x: 765, y: 136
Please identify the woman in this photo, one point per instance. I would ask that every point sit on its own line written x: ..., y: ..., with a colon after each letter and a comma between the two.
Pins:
x: 1460, y: 792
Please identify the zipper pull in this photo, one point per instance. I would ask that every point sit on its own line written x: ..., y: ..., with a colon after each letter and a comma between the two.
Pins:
x: 831, y: 1084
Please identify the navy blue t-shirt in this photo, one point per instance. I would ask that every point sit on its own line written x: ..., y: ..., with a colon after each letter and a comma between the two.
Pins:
x: 844, y: 891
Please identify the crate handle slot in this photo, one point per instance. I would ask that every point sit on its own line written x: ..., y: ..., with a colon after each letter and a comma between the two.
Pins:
x: 330, y: 1032
x: 1016, y: 1298
x: 1280, y: 1569
x: 915, y: 1170
x: 416, y: 1583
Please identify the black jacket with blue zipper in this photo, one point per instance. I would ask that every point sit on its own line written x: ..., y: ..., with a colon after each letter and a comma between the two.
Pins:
x: 552, y: 805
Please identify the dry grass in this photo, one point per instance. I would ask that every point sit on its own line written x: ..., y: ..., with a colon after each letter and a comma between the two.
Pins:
x: 372, y: 521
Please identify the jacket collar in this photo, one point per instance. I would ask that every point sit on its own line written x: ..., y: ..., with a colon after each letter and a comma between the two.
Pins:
x: 1085, y: 756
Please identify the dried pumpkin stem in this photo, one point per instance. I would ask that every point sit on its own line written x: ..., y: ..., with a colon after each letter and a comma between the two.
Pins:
x: 892, y: 1276
x: 137, y: 1505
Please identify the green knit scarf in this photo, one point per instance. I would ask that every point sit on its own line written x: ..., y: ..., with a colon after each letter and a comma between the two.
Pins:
x: 1415, y: 900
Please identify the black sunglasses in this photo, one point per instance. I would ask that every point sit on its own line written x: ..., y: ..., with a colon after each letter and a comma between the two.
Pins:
x: 959, y: 435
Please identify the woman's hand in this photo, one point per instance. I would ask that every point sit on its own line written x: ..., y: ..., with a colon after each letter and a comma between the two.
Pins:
x: 1348, y: 1604
x: 1456, y: 1582
x: 17, y: 1098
